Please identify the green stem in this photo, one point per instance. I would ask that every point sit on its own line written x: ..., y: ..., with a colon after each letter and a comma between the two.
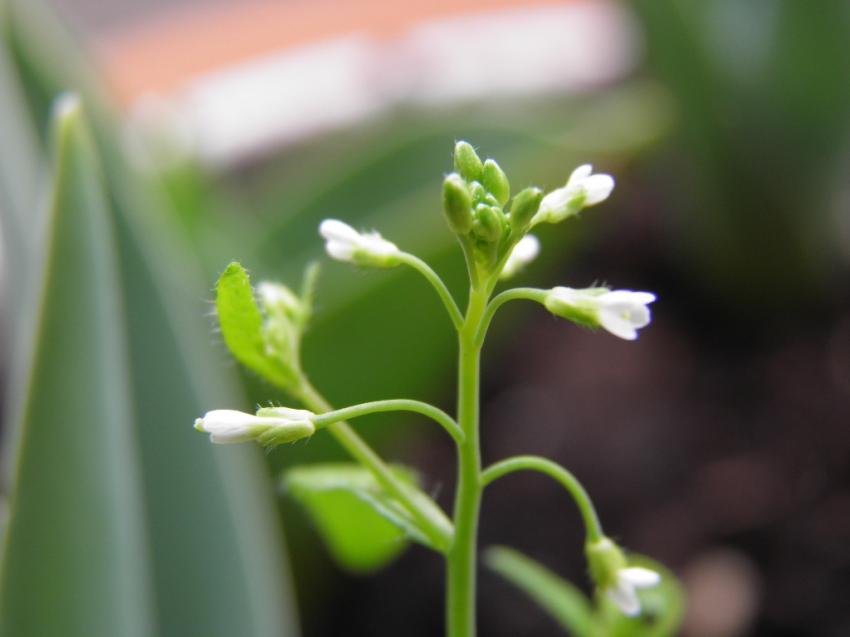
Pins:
x: 436, y: 529
x: 461, y: 572
x: 433, y: 278
x: 528, y: 294
x: 534, y: 463
x: 400, y: 404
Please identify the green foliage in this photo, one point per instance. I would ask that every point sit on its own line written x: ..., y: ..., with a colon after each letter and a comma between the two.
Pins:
x: 243, y: 330
x: 363, y: 527
x: 561, y: 599
x: 76, y: 542
x: 662, y: 605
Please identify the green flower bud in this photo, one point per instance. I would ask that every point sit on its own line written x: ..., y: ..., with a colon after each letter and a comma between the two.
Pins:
x: 524, y: 207
x: 457, y: 204
x: 496, y: 182
x: 467, y: 162
x: 488, y: 223
x: 605, y: 560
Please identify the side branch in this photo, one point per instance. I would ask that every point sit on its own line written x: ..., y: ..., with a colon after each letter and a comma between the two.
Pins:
x: 528, y: 294
x: 379, y: 406
x: 434, y: 279
x: 555, y: 471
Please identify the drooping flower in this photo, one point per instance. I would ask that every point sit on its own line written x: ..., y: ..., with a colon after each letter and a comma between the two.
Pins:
x: 367, y: 249
x: 624, y: 591
x: 615, y: 578
x: 270, y: 426
x: 583, y: 189
x: 523, y: 253
x: 620, y: 312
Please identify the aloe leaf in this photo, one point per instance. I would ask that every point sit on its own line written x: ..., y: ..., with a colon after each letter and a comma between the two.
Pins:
x: 561, y: 599
x: 75, y: 542
x: 218, y: 563
x: 363, y: 527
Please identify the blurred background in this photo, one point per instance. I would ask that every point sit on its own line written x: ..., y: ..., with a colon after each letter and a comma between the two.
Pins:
x: 719, y: 443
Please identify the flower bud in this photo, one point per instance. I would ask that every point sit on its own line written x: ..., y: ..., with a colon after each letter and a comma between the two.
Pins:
x: 496, y: 182
x: 457, y: 204
x: 271, y: 426
x: 621, y: 312
x: 467, y: 162
x: 488, y: 223
x: 524, y: 207
x: 366, y: 249
x: 612, y: 575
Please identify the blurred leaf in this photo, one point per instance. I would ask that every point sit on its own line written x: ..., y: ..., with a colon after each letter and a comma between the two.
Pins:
x: 75, y: 554
x: 662, y: 607
x: 242, y: 326
x: 363, y: 527
x: 558, y: 597
x: 218, y: 564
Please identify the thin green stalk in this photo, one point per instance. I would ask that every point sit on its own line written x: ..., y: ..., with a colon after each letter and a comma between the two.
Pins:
x: 555, y: 471
x: 400, y: 404
x: 434, y: 279
x: 529, y: 294
x: 363, y: 453
x: 461, y: 571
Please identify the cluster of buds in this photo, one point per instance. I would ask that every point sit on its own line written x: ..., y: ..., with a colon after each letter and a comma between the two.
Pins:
x: 475, y: 198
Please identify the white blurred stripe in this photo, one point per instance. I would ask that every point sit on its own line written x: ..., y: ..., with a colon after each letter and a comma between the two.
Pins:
x: 253, y: 107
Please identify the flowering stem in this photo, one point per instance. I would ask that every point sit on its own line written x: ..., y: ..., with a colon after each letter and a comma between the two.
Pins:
x: 378, y: 406
x: 363, y: 453
x: 534, y: 463
x: 529, y: 294
x: 433, y: 278
x: 461, y: 575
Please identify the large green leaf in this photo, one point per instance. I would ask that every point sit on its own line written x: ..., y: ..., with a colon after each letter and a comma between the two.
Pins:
x: 363, y: 527
x: 75, y: 559
x: 217, y: 565
x: 558, y: 597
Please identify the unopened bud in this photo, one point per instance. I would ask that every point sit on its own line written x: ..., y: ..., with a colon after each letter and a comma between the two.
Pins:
x: 524, y: 207
x: 496, y: 182
x: 488, y: 223
x: 467, y: 162
x: 457, y: 204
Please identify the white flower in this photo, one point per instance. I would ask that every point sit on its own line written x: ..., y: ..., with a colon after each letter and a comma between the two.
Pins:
x: 623, y: 592
x: 621, y: 312
x: 273, y: 425
x: 275, y: 295
x: 524, y: 252
x: 344, y: 243
x: 583, y: 189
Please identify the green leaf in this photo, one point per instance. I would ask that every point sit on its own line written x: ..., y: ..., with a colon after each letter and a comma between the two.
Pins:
x: 75, y: 561
x: 561, y: 599
x: 363, y: 527
x: 216, y: 542
x: 662, y: 607
x: 242, y: 326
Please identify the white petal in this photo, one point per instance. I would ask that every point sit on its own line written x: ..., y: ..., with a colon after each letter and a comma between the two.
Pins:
x: 229, y: 426
x: 335, y: 230
x: 566, y: 295
x: 580, y: 174
x: 287, y: 414
x: 597, y: 188
x: 617, y: 325
x: 374, y: 243
x: 624, y: 596
x: 340, y: 250
x: 553, y: 202
x: 276, y: 294
x: 640, y: 577
x: 524, y: 252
